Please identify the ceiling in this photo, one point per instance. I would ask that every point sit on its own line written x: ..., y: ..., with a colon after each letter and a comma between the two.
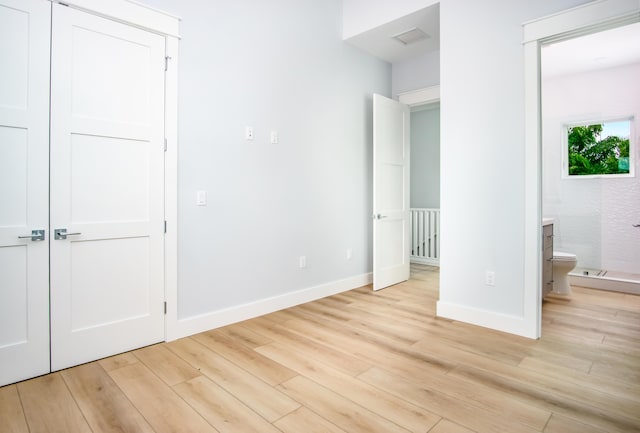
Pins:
x: 379, y: 41
x: 606, y: 49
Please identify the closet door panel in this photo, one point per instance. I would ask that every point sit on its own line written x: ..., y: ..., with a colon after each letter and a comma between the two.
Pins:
x: 24, y: 189
x: 107, y: 187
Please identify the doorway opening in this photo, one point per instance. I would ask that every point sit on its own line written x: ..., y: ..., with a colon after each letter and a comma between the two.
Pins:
x: 582, y: 20
x: 590, y: 183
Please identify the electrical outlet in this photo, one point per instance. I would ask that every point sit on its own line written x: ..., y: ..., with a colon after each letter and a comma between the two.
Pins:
x: 274, y: 137
x: 490, y: 278
x: 302, y: 262
x: 349, y: 253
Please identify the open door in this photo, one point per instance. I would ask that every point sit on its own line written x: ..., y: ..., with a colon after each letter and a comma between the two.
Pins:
x: 391, y: 229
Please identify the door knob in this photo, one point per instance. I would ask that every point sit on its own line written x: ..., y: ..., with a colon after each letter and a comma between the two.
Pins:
x: 36, y: 235
x: 59, y: 234
x: 378, y: 216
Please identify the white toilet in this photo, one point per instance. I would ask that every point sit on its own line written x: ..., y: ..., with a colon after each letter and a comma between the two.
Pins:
x: 563, y: 263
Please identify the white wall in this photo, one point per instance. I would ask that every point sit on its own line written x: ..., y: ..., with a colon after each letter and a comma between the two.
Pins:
x: 482, y: 157
x: 594, y: 217
x: 279, y: 65
x: 417, y: 73
x: 425, y: 158
x: 362, y: 15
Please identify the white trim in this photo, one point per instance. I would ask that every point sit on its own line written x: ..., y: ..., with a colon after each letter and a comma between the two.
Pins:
x: 584, y: 19
x: 581, y: 19
x: 171, y: 188
x: 205, y: 322
x: 488, y: 319
x: 130, y: 12
x: 422, y: 261
x: 422, y: 96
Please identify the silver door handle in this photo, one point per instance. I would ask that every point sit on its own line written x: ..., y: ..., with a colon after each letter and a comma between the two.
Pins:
x: 636, y: 225
x: 59, y: 234
x: 36, y: 235
x: 378, y: 216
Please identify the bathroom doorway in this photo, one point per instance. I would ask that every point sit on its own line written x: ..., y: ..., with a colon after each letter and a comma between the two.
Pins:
x: 588, y: 86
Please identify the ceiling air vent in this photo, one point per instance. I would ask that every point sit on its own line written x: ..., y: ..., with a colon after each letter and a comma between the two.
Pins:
x: 410, y: 36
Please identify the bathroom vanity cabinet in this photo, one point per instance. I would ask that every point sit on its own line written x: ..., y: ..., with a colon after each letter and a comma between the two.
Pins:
x: 547, y: 258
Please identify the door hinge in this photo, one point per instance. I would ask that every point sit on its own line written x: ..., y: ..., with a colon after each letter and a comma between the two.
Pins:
x: 165, y: 226
x: 166, y: 63
x: 165, y: 144
x: 165, y: 307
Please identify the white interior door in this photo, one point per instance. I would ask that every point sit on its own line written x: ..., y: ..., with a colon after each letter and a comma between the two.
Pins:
x: 24, y: 188
x: 107, y: 186
x: 391, y: 229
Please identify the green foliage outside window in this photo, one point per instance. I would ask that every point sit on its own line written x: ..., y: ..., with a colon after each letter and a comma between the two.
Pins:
x: 592, y: 154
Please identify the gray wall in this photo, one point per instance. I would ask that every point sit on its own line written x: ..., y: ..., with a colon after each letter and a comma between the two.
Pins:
x: 482, y: 152
x: 425, y: 158
x: 421, y: 71
x: 280, y: 65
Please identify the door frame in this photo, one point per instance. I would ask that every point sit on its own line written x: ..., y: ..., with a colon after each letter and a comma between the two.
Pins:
x: 585, y: 19
x: 167, y: 25
x: 415, y: 98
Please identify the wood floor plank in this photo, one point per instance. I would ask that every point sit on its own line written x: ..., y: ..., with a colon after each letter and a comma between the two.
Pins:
x: 397, y: 410
x: 576, y: 386
x: 303, y: 420
x: 364, y: 345
x: 49, y: 407
x: 248, y: 359
x: 467, y: 415
x: 118, y: 361
x: 244, y: 335
x: 104, y: 405
x: 221, y: 409
x: 165, y: 364
x: 474, y: 394
x: 446, y: 426
x: 264, y: 399
x: 329, y: 355
x: 11, y: 415
x: 546, y: 362
x: 346, y: 414
x: 590, y: 407
x: 560, y: 424
x: 159, y: 404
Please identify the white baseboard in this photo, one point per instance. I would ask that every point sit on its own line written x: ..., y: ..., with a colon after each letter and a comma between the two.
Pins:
x: 193, y: 325
x: 487, y: 319
x: 423, y: 261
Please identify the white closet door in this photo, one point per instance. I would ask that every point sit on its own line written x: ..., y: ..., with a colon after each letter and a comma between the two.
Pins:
x: 107, y: 187
x: 24, y: 188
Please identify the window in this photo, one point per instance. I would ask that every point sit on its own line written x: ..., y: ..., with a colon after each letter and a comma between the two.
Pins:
x: 599, y: 149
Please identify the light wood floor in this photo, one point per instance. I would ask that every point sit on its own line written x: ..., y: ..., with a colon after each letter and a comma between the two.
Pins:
x: 359, y: 362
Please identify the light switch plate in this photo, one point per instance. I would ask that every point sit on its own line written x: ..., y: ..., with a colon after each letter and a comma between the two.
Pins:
x: 201, y: 198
